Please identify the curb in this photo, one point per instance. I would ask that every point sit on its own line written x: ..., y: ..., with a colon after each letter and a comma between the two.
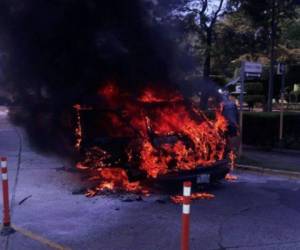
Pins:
x: 286, y: 151
x: 291, y: 174
x: 274, y: 150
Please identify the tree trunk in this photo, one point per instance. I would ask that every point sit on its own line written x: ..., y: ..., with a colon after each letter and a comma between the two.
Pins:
x: 207, y: 60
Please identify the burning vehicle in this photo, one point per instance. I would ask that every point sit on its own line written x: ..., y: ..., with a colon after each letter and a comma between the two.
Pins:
x: 156, y: 134
x: 111, y: 76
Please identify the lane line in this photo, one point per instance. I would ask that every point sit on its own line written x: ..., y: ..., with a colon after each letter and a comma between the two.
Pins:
x: 19, y: 155
x: 20, y: 151
x: 25, y: 232
x: 40, y: 239
x: 14, y: 189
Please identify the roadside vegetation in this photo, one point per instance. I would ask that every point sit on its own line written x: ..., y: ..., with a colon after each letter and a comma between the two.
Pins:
x: 266, y: 132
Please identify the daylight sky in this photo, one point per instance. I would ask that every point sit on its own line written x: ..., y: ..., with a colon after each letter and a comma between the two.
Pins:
x: 213, y: 5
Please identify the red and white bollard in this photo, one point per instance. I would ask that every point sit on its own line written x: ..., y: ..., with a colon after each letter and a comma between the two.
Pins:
x: 6, y: 229
x: 185, y: 236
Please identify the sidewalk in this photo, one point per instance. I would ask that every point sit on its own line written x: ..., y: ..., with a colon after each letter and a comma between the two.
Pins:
x: 278, y: 160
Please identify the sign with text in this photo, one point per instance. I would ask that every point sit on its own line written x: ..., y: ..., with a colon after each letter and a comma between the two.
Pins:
x: 238, y: 89
x: 252, y: 68
x: 280, y: 68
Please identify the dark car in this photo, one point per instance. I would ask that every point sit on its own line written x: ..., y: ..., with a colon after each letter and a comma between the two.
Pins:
x: 180, y: 141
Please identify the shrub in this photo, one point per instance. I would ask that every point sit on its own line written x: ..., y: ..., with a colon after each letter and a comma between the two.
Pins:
x: 254, y: 92
x: 262, y: 129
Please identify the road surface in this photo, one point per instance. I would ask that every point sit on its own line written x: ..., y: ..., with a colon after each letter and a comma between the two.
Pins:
x: 255, y: 212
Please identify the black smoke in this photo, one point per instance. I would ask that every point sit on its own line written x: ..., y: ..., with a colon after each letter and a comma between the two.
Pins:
x: 61, y: 51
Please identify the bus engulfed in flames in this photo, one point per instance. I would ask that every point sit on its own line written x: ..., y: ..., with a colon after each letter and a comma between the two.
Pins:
x: 160, y: 133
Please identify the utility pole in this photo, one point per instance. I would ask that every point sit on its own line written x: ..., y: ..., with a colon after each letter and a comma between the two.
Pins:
x: 281, y: 69
x: 272, y: 59
x: 242, y: 90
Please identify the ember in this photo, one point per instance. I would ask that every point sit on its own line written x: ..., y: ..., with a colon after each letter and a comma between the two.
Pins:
x: 232, y: 157
x: 178, y: 199
x: 230, y: 177
x: 114, y: 179
x: 167, y: 134
x: 78, y: 130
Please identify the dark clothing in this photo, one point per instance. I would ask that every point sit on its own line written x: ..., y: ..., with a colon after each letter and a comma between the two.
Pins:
x: 230, y: 112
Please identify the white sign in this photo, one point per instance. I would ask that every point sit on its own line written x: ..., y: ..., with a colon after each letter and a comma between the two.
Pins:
x: 280, y: 68
x: 238, y: 89
x: 253, y: 75
x: 251, y: 67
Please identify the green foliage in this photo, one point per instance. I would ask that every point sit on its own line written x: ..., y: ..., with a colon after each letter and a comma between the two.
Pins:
x: 253, y: 88
x: 260, y: 11
x: 295, y: 96
x: 252, y: 99
x: 242, y: 32
x: 291, y: 31
x: 254, y: 92
x: 219, y: 79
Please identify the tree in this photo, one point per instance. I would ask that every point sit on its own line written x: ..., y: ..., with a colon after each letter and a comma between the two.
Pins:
x: 201, y: 16
x: 234, y: 40
x: 254, y: 93
x: 266, y: 16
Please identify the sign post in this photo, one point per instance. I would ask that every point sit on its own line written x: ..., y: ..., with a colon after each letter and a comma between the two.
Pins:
x: 248, y: 70
x: 242, y: 80
x: 281, y: 71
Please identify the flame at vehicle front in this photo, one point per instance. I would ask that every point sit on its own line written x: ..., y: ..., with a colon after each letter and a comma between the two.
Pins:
x: 168, y: 134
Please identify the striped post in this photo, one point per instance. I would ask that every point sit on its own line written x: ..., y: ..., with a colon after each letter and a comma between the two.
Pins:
x: 186, y: 215
x: 6, y: 229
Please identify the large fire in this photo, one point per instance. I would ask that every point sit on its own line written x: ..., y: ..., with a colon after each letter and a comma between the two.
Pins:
x: 166, y: 133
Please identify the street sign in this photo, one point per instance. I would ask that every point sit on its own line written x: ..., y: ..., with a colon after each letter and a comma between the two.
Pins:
x: 248, y: 70
x: 252, y: 68
x: 238, y: 89
x: 280, y: 68
x: 253, y: 75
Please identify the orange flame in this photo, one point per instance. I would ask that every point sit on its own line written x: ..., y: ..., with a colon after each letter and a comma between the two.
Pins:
x: 230, y: 177
x: 151, y: 96
x: 232, y: 157
x: 178, y: 199
x: 78, y: 129
x: 197, y: 140
x: 115, y: 179
x: 110, y: 90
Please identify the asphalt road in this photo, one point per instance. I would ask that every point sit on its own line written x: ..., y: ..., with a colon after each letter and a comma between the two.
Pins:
x: 255, y: 212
